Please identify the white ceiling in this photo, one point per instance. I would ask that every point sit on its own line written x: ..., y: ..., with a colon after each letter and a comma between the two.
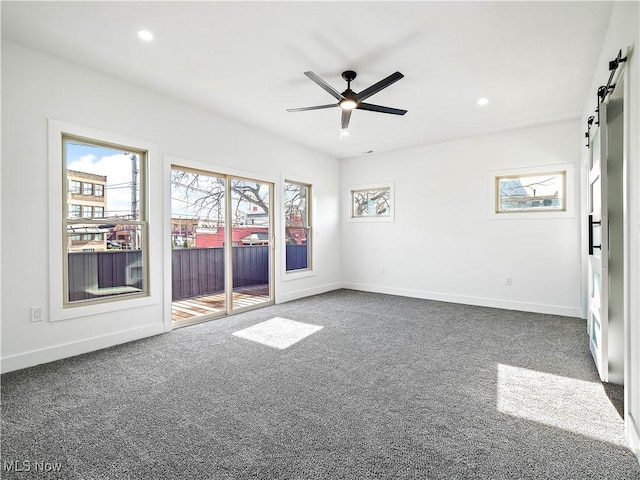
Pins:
x: 245, y: 60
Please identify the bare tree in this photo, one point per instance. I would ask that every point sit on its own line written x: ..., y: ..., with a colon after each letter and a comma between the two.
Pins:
x: 363, y: 198
x: 543, y: 183
x: 205, y: 194
x: 292, y: 199
x: 514, y: 187
x: 251, y: 193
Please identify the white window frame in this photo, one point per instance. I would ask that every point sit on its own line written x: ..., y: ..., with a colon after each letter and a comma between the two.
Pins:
x: 570, y: 198
x: 348, y: 200
x: 282, y: 275
x: 58, y: 237
x: 308, y: 226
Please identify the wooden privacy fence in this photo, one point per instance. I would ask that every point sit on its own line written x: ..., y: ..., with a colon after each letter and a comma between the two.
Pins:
x: 99, y: 274
x: 194, y: 271
x: 296, y: 257
x: 200, y: 271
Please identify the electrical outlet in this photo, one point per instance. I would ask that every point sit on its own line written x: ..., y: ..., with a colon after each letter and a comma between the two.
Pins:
x: 36, y: 314
x: 509, y: 281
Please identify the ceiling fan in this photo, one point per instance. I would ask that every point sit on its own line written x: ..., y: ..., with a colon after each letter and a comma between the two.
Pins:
x: 349, y: 100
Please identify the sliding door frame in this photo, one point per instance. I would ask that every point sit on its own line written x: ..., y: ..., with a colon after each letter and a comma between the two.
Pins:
x: 229, y: 245
x: 228, y: 174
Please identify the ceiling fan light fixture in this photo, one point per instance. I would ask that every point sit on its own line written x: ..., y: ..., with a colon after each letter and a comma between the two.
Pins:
x: 348, y: 104
x: 344, y: 132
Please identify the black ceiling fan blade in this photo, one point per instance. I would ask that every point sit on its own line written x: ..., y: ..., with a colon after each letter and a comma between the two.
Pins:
x: 380, y: 108
x: 346, y: 116
x: 317, y: 107
x: 376, y: 87
x: 336, y: 94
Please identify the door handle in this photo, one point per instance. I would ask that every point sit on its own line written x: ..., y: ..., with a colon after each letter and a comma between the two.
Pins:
x: 591, y: 245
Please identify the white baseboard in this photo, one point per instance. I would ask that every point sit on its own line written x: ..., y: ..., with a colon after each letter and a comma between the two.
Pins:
x: 58, y: 352
x: 633, y: 433
x: 287, y: 297
x: 466, y: 300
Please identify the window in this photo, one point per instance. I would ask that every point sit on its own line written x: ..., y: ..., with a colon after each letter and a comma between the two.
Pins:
x: 371, y: 202
x: 297, y: 226
x: 74, y: 211
x: 80, y: 282
x: 92, y: 273
x: 75, y: 187
x: 532, y: 192
x: 87, y: 211
x: 367, y: 203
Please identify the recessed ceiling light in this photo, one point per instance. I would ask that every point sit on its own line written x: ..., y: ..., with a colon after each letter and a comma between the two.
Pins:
x: 483, y: 101
x: 145, y: 35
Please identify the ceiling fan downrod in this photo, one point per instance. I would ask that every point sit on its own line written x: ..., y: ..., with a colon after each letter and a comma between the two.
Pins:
x: 349, y: 75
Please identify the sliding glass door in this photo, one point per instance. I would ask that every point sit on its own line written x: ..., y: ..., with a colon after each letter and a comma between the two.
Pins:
x: 221, y: 231
x: 250, y: 203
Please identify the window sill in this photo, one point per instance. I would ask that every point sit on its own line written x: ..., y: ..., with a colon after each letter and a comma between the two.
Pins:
x: 298, y: 274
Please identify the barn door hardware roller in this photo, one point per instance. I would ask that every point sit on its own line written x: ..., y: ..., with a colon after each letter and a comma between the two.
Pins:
x: 605, y: 90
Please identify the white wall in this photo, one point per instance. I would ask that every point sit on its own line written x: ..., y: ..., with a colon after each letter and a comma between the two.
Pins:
x: 444, y: 243
x: 624, y: 31
x: 37, y: 87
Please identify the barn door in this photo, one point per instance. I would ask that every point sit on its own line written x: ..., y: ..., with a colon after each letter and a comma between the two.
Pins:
x: 598, y: 244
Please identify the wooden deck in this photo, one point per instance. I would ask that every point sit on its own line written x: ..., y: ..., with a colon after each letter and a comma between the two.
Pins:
x: 189, y: 308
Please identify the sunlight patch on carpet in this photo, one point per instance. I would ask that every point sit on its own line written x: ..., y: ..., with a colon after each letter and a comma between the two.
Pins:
x: 569, y: 404
x: 278, y: 332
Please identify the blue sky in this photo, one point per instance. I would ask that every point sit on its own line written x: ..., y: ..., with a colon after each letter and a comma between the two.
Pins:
x: 76, y: 151
x: 115, y: 164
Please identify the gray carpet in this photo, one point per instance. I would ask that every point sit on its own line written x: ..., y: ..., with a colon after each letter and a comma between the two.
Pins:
x: 390, y: 387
